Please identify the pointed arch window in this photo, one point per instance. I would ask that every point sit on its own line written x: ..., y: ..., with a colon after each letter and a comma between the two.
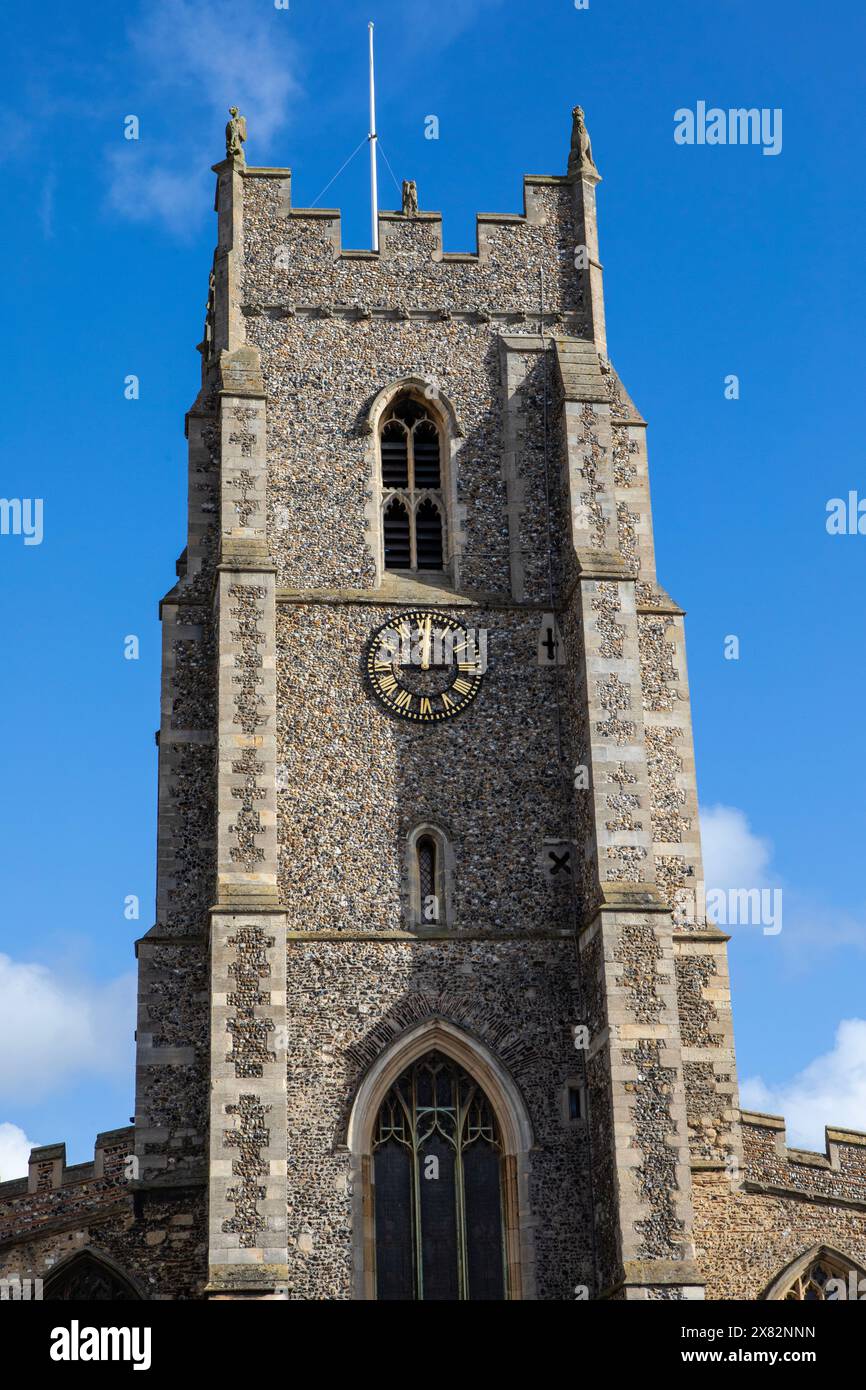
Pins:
x: 85, y: 1278
x: 819, y: 1282
x: 819, y: 1275
x: 438, y: 1184
x: 413, y: 503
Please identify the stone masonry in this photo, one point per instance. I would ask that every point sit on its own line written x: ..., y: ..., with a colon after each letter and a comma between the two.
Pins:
x: 286, y: 972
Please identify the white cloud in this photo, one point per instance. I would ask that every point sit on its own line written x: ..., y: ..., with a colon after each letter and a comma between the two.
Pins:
x: 734, y: 857
x: 221, y: 54
x: 154, y: 192
x: 197, y: 60
x: 831, y: 1090
x: 54, y: 1030
x: 14, y: 1152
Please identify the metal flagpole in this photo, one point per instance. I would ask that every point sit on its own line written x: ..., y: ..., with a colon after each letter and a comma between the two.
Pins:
x: 374, y: 189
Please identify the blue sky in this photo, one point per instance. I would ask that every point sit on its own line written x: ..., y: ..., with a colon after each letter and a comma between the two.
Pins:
x: 718, y: 261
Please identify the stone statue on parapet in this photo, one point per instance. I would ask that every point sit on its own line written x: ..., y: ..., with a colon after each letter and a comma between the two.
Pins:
x: 410, y: 198
x: 580, y: 160
x: 236, y: 134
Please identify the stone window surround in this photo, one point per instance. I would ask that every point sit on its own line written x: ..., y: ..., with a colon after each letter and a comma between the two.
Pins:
x: 515, y: 1129
x: 428, y: 392
x: 416, y: 920
x: 573, y: 1082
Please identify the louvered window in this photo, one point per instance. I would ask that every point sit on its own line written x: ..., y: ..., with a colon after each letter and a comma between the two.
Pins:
x: 413, y: 506
x: 397, y: 536
x: 428, y: 536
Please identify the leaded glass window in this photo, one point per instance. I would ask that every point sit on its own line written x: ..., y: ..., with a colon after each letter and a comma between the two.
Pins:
x: 413, y: 505
x: 427, y: 878
x: 437, y: 1158
x: 818, y: 1282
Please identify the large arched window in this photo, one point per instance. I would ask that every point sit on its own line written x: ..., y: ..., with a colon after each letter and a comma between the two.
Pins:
x: 438, y: 1190
x: 413, y: 504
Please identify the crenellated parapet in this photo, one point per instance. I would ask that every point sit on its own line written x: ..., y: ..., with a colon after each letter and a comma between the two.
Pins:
x: 771, y: 1166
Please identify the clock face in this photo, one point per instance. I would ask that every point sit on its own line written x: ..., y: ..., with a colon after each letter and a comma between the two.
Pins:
x: 425, y: 666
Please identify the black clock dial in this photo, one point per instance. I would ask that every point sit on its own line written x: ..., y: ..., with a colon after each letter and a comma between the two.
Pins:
x: 425, y: 666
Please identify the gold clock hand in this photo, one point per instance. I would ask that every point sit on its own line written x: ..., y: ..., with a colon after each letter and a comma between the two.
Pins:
x: 425, y: 650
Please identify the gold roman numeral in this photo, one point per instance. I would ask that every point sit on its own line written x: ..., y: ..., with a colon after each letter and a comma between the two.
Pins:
x: 462, y: 686
x: 388, y: 683
x: 403, y: 700
x: 426, y: 707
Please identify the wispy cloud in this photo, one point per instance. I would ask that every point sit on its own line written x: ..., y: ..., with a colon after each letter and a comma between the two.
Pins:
x: 46, y: 205
x: 198, y: 58
x: 736, y: 858
x: 431, y: 26
x: 831, y: 1090
x: 219, y: 53
x: 54, y: 1029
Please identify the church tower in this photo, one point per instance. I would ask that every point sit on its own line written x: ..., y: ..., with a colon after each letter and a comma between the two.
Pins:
x: 431, y: 1009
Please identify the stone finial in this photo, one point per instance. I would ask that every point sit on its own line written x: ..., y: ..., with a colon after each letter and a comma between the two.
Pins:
x: 236, y: 134
x: 580, y: 160
x: 410, y: 198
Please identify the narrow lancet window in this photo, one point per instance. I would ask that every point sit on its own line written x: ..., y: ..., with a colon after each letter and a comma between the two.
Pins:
x: 427, y: 878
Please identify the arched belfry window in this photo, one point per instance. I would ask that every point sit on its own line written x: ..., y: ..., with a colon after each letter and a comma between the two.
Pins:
x: 438, y: 1188
x: 413, y: 502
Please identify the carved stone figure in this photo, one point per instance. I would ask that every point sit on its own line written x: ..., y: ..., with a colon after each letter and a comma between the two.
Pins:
x: 580, y: 160
x: 410, y: 198
x: 236, y: 134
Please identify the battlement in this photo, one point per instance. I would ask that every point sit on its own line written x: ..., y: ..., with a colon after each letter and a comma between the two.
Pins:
x: 391, y: 220
x: 48, y: 1170
x: 539, y: 268
x: 771, y: 1166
